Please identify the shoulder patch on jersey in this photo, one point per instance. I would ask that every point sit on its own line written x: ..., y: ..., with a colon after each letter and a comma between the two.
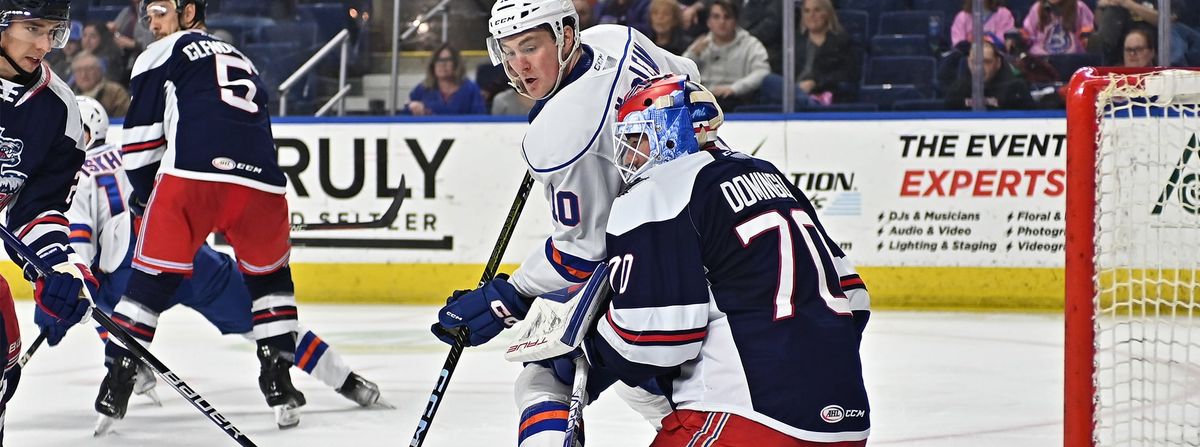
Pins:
x: 545, y: 147
x: 665, y: 191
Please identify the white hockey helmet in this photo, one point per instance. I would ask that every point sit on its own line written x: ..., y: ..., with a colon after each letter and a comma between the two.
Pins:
x: 95, y: 119
x: 512, y: 17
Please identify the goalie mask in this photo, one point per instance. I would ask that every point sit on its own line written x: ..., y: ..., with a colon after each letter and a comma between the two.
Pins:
x: 512, y: 17
x: 661, y: 119
x: 14, y: 11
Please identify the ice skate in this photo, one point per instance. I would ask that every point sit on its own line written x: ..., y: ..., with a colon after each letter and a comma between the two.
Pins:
x: 363, y: 392
x: 275, y: 382
x: 113, y: 399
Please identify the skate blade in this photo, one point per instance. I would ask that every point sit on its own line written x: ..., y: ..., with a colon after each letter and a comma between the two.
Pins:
x: 153, y: 396
x: 286, y: 416
x: 382, y: 405
x: 103, y: 425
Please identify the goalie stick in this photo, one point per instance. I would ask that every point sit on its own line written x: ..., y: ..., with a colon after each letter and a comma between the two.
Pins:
x: 383, y: 221
x: 133, y: 346
x: 460, y: 337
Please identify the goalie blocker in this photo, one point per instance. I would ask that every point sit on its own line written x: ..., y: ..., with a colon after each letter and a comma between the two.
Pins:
x: 556, y: 324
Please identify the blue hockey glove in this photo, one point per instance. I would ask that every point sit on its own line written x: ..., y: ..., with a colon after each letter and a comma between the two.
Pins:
x: 484, y: 312
x: 54, y: 328
x: 59, y: 305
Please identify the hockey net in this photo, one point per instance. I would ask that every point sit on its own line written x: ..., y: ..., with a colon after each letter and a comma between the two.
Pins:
x: 1132, y: 372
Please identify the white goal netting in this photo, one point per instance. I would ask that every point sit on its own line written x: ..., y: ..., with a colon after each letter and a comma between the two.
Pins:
x: 1147, y: 261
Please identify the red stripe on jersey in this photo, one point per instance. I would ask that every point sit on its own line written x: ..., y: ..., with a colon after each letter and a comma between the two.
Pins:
x: 681, y: 337
x: 41, y: 220
x: 138, y: 147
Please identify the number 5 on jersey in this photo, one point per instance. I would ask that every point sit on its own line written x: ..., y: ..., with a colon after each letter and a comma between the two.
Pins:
x: 226, y: 62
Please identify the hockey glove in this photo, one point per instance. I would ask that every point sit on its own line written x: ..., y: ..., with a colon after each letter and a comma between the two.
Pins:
x: 484, y: 312
x: 54, y: 328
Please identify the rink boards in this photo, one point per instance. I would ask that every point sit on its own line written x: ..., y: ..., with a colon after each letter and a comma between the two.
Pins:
x: 938, y: 210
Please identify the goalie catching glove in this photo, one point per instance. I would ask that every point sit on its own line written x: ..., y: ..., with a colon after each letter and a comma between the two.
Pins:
x: 483, y: 312
x: 63, y: 297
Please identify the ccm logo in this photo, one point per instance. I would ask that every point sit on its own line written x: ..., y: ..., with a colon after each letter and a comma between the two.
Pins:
x: 503, y: 313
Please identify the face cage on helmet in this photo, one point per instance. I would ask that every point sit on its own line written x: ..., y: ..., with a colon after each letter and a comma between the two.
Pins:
x: 59, y: 35
x: 630, y: 160
x: 496, y: 54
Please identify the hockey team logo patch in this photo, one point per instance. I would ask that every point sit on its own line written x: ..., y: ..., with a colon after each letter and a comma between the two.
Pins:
x: 10, y: 157
x: 833, y: 414
x: 1183, y: 184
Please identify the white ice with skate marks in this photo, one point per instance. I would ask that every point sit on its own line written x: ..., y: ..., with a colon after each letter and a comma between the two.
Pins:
x: 936, y: 379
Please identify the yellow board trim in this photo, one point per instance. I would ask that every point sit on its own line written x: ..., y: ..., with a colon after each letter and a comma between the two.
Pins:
x: 931, y: 288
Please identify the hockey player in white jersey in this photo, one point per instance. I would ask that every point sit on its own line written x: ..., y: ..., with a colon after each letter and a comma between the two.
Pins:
x: 727, y: 289
x: 102, y: 234
x: 577, y: 80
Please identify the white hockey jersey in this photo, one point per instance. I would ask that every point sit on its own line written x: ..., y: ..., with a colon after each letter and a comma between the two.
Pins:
x: 569, y: 150
x: 97, y: 214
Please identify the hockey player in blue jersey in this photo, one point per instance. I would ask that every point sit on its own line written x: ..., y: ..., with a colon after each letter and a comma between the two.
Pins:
x: 576, y: 79
x: 726, y: 288
x: 101, y: 234
x: 198, y: 148
x: 41, y: 148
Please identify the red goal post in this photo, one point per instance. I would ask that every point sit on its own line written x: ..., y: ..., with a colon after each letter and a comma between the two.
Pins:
x: 1132, y: 309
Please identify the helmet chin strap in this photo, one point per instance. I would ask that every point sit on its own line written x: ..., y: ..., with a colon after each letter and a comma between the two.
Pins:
x: 23, y: 77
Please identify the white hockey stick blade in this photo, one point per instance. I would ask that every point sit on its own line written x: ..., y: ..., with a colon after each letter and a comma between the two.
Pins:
x: 551, y: 328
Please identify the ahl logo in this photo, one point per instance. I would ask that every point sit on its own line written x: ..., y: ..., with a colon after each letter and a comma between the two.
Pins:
x: 10, y: 157
x: 224, y: 164
x: 1186, y: 184
x: 833, y: 414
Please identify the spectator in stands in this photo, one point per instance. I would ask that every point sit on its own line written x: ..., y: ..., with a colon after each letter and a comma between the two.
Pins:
x: 584, y: 9
x: 996, y: 20
x: 666, y: 30
x: 1003, y: 87
x: 130, y: 33
x: 693, y: 13
x: 98, y: 41
x: 91, y: 81
x: 1057, y: 26
x: 445, y: 91
x: 731, y: 61
x: 60, y: 61
x: 827, y: 62
x: 509, y: 102
x: 1141, y: 47
x: 1114, y: 20
x: 1185, y: 40
x: 633, y: 13
x: 761, y: 18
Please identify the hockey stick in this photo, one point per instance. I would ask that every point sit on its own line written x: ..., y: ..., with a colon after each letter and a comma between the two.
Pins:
x: 578, y: 388
x: 383, y: 221
x: 460, y: 337
x: 37, y: 342
x: 136, y: 348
